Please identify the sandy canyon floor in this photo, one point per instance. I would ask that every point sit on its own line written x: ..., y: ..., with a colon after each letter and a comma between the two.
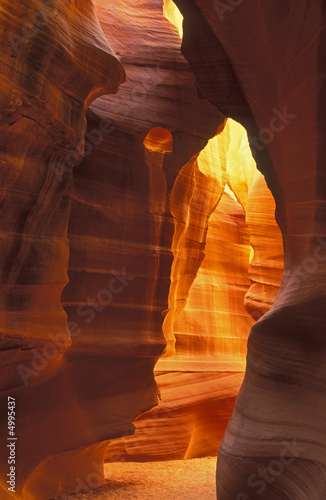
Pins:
x: 178, y: 480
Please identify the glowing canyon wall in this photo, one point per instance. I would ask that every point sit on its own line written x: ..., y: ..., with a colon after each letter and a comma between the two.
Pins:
x: 200, y: 381
x: 87, y: 245
x: 139, y: 243
x: 275, y: 442
x: 54, y: 62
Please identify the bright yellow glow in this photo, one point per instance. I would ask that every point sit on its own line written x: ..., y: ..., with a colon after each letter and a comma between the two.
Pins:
x: 213, y: 158
x: 226, y: 166
x: 252, y: 253
x: 241, y: 167
x: 173, y: 14
x: 230, y: 151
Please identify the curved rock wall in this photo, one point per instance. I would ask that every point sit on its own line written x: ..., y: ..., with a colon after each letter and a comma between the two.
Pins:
x: 266, y: 267
x: 42, y: 106
x: 82, y: 382
x: 269, y: 60
x: 158, y: 229
x: 209, y: 323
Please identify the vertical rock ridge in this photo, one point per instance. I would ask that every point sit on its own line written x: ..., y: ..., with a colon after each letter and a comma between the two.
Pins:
x: 54, y: 61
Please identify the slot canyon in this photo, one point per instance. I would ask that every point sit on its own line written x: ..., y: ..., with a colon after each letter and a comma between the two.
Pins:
x: 163, y: 248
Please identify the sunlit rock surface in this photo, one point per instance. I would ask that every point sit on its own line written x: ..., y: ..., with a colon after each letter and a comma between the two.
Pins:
x: 199, y: 383
x: 155, y: 206
x: 264, y: 65
x: 154, y: 244
x: 78, y: 388
x: 266, y: 267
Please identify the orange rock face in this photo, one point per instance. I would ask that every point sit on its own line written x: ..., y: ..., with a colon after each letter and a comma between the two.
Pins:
x: 86, y: 371
x: 266, y: 266
x: 198, y: 384
x: 140, y: 246
x: 269, y: 62
x: 210, y: 325
x: 54, y: 62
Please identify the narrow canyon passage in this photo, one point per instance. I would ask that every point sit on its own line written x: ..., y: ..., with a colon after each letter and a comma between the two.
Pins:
x: 209, y: 305
x: 155, y: 319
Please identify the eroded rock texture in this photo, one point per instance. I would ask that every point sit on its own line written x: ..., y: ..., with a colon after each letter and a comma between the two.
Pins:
x: 199, y: 383
x: 160, y: 231
x: 154, y: 202
x: 206, y: 314
x: 262, y: 63
x: 54, y: 62
x: 266, y: 267
x: 81, y: 386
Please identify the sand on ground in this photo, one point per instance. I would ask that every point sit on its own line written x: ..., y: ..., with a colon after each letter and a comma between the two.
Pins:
x: 171, y: 480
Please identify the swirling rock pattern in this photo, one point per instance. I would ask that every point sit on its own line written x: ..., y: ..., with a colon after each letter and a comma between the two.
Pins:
x: 200, y: 381
x: 158, y: 239
x: 263, y: 64
x: 266, y: 267
x: 150, y: 223
x: 42, y: 106
x: 83, y: 382
x: 214, y: 326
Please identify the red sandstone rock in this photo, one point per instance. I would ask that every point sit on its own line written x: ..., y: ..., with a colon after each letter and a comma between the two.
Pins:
x: 120, y: 228
x: 54, y: 62
x: 266, y: 266
x: 158, y: 244
x: 263, y: 64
